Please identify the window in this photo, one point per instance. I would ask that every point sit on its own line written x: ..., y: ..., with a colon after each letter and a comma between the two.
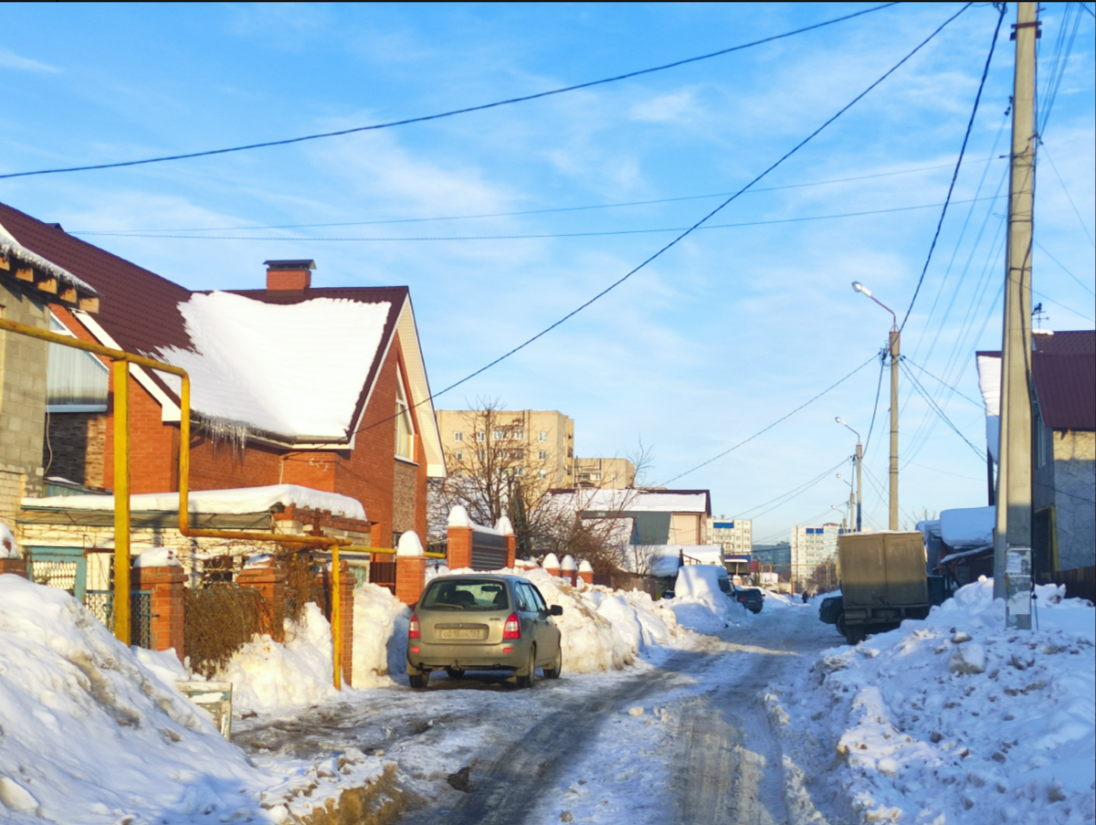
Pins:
x: 458, y: 436
x: 482, y: 454
x: 542, y: 474
x: 542, y: 436
x: 543, y: 455
x: 519, y: 471
x: 405, y: 427
x: 519, y: 435
x: 499, y: 435
x: 76, y: 381
x: 460, y: 456
x: 515, y: 453
x: 481, y: 436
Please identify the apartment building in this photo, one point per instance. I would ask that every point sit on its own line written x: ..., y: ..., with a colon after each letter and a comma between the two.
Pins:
x: 812, y: 546
x: 536, y: 444
x: 607, y: 473
x: 735, y: 536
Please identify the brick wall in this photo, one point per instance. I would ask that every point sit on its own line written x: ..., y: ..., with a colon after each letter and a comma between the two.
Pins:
x: 23, y: 363
x: 74, y: 446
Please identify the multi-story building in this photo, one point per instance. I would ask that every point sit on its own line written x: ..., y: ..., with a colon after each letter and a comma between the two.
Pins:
x: 534, y: 443
x: 735, y: 536
x: 772, y: 558
x: 812, y: 546
x: 609, y: 473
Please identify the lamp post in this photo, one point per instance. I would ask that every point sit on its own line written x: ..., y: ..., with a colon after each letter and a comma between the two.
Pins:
x: 852, y: 501
x: 841, y: 510
x: 894, y: 349
x: 859, y: 477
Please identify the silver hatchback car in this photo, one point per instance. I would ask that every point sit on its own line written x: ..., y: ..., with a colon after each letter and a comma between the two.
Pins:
x: 483, y: 622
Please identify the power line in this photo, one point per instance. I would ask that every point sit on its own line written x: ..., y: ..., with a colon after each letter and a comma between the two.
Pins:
x: 1076, y: 212
x: 521, y: 213
x: 788, y: 496
x: 1063, y: 306
x: 875, y: 409
x: 689, y: 231
x: 958, y: 164
x: 978, y: 404
x: 452, y: 112
x: 544, y: 236
x: 1061, y: 266
x: 766, y: 429
x: 936, y: 408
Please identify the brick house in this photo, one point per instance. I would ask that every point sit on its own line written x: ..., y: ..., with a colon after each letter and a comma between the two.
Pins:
x: 320, y: 387
x: 30, y: 287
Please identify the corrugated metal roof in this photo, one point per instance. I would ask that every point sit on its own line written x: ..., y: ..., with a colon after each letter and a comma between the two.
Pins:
x: 1066, y: 387
x: 1079, y: 342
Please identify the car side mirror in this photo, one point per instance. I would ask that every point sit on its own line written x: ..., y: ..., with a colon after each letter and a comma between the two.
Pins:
x: 555, y: 610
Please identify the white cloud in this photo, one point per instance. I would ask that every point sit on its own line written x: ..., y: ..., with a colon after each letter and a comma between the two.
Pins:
x: 677, y: 107
x: 11, y: 60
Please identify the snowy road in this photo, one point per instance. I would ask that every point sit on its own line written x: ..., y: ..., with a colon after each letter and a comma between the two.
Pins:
x: 681, y: 741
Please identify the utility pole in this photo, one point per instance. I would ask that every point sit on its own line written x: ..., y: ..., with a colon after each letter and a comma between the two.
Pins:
x: 894, y: 346
x: 1012, y: 538
x: 859, y: 485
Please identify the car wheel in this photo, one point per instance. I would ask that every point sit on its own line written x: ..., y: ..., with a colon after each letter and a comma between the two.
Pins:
x: 418, y: 680
x: 554, y: 670
x: 841, y: 624
x: 454, y: 673
x: 527, y: 678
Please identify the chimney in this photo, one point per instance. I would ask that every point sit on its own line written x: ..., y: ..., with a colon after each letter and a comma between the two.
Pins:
x: 289, y: 275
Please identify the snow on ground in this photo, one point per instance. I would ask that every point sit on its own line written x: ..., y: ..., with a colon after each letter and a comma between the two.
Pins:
x: 380, y: 636
x: 700, y: 605
x: 957, y: 719
x: 95, y: 733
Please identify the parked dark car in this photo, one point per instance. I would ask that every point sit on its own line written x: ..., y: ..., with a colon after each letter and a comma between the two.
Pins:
x: 483, y: 622
x: 750, y: 597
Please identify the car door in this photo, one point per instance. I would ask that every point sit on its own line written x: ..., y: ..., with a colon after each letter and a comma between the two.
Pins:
x: 547, y: 634
x: 527, y: 610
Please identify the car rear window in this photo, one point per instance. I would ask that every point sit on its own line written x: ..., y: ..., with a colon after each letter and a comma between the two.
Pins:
x: 466, y: 594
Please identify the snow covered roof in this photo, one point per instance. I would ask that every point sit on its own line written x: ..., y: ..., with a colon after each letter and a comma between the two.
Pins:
x: 10, y: 248
x: 968, y: 527
x: 149, y: 314
x: 237, y: 501
x: 295, y: 370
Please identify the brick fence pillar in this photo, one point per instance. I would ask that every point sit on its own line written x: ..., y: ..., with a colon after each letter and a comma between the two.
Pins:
x: 586, y: 572
x: 511, y: 550
x: 458, y: 552
x: 16, y: 566
x: 410, y: 568
x: 167, y: 585
x: 270, y: 582
x: 551, y: 565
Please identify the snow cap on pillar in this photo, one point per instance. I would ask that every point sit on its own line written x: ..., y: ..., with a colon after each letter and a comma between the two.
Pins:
x: 409, y: 545
x: 584, y: 567
x: 504, y: 526
x: 568, y: 563
x: 550, y: 562
x: 458, y: 517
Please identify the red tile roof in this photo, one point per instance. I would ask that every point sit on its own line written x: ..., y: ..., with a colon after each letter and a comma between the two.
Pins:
x: 140, y: 309
x: 1081, y: 342
x: 1066, y: 387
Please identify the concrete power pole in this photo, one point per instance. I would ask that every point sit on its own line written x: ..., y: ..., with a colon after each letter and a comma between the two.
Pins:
x: 894, y: 346
x: 1012, y: 539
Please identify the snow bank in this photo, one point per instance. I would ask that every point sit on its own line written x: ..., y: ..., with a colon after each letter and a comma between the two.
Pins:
x: 8, y: 548
x: 157, y: 557
x: 957, y: 719
x: 90, y: 735
x: 268, y: 676
x: 698, y: 602
x: 380, y: 636
x: 239, y: 500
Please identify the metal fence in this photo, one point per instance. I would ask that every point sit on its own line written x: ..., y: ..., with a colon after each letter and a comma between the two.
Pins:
x: 101, y: 603
x: 382, y: 572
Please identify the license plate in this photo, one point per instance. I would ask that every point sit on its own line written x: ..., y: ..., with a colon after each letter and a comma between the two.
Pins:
x: 461, y: 633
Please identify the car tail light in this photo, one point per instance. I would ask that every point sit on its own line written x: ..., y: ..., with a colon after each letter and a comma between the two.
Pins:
x: 512, y: 628
x: 413, y: 629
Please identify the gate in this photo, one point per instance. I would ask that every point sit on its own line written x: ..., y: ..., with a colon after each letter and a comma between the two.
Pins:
x: 489, y: 551
x: 383, y: 573
x: 66, y: 568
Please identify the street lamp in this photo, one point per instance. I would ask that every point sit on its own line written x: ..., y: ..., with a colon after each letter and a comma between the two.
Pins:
x: 894, y: 349
x: 859, y: 478
x: 841, y: 510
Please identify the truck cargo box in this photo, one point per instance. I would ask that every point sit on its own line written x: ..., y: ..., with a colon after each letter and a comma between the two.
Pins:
x: 882, y: 570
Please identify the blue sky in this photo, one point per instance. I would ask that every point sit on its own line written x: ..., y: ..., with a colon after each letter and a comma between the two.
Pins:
x: 725, y: 333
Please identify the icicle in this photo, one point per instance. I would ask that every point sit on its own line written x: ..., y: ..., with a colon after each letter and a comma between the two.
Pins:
x: 224, y: 433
